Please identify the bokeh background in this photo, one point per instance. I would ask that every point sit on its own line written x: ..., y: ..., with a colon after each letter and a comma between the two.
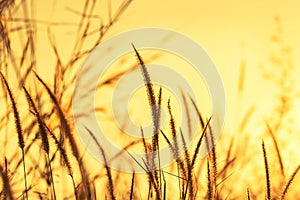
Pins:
x: 254, y: 45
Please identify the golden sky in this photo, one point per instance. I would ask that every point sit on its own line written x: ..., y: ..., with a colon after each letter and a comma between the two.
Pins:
x: 230, y: 31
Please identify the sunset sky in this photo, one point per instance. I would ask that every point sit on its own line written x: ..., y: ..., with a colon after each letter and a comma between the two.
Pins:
x: 230, y: 31
x: 255, y: 46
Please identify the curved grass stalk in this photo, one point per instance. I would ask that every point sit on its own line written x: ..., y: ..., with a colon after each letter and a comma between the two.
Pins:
x: 19, y: 130
x: 43, y: 133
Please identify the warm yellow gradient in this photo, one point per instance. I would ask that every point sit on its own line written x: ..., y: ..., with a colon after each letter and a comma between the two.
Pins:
x: 230, y: 31
x: 233, y: 33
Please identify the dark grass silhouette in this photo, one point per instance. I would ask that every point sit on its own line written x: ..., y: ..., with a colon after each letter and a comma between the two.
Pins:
x: 52, y: 130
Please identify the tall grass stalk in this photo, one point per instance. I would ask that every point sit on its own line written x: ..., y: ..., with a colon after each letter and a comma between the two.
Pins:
x: 149, y: 87
x: 289, y: 183
x: 152, y: 177
x: 132, y: 186
x: 66, y: 160
x: 209, y: 182
x: 180, y: 164
x: 8, y: 194
x: 268, y: 182
x: 66, y: 130
x: 248, y: 194
x: 197, y: 149
x: 213, y: 156
x: 156, y: 136
x: 18, y: 129
x: 146, y: 150
x: 106, y: 164
x: 43, y: 133
x: 189, y: 185
x: 155, y: 111
x: 277, y: 149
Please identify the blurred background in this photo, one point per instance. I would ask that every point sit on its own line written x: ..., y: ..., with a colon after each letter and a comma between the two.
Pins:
x: 254, y: 45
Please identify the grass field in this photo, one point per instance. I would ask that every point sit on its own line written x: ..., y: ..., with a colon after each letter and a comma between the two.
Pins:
x: 42, y: 157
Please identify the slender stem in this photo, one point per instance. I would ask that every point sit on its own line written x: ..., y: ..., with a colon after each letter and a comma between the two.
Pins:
x: 74, y: 187
x: 24, y: 171
x: 51, y: 176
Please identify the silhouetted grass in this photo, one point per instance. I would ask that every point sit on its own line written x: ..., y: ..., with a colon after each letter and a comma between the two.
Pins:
x: 277, y: 149
x: 43, y: 133
x: 66, y: 131
x: 106, y: 164
x: 211, y: 178
x: 248, y: 194
x: 132, y: 187
x: 268, y: 182
x: 289, y: 183
x: 18, y: 129
x: 7, y: 193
